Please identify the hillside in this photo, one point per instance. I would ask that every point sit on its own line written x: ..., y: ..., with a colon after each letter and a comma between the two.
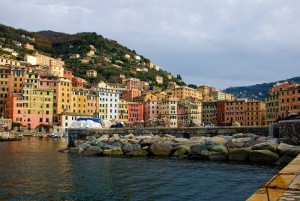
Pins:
x: 84, y: 51
x: 258, y: 91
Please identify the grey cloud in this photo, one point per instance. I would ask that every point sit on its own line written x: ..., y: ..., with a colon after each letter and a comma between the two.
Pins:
x: 222, y: 43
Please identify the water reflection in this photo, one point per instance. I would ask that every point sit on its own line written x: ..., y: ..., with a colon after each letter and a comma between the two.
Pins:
x: 33, y: 169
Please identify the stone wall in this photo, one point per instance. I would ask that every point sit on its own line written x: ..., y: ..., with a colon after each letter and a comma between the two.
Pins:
x: 290, y: 129
x: 81, y: 134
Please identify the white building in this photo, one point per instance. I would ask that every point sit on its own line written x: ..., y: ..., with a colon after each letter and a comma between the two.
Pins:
x: 109, y: 98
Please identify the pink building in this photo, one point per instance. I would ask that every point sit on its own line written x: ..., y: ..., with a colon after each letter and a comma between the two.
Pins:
x: 134, y: 83
x: 151, y: 109
x: 135, y: 112
x: 14, y: 109
x: 128, y: 95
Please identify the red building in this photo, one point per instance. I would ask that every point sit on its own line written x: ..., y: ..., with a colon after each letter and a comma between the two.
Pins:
x: 220, y: 113
x: 135, y: 112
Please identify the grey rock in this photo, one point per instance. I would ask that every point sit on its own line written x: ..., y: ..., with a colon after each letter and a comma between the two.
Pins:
x: 238, y: 154
x: 116, y: 151
x: 85, y: 146
x: 93, y: 151
x: 284, y: 160
x: 271, y: 146
x: 261, y: 139
x: 127, y: 148
x: 218, y: 140
x: 181, y: 150
x: 161, y: 148
x: 197, y: 149
x: 136, y: 146
x: 263, y: 156
x: 117, y: 144
x: 289, y: 150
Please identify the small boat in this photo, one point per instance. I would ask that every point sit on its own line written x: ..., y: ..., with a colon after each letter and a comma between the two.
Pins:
x: 53, y: 135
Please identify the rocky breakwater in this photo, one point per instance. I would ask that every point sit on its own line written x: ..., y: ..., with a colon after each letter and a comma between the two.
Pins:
x: 238, y: 147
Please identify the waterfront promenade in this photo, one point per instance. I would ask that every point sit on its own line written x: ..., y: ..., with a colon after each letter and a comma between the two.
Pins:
x: 282, y: 187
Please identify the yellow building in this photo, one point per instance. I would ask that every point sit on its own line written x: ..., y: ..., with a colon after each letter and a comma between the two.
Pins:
x: 123, y: 111
x: 79, y: 98
x: 204, y: 90
x: 91, y: 73
x: 63, y: 96
x: 183, y: 92
x: 168, y: 110
x: 37, y: 106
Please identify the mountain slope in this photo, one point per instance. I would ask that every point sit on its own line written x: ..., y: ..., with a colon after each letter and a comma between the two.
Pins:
x: 107, y: 58
x: 258, y: 91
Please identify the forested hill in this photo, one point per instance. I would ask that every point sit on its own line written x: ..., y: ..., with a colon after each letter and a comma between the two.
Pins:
x: 258, y: 91
x: 108, y: 57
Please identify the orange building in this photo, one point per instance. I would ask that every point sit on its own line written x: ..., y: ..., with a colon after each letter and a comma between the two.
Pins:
x: 289, y: 100
x: 4, y: 74
x: 128, y: 95
x: 281, y: 100
x: 63, y: 96
x: 245, y: 112
x: 68, y: 74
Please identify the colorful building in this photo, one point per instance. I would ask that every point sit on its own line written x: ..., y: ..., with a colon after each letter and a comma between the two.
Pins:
x: 123, y: 111
x: 135, y: 112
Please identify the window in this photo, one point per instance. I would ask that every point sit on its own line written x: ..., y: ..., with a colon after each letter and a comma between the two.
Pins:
x: 41, y: 119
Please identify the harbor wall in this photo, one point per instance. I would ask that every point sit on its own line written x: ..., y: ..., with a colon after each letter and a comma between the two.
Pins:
x: 82, y: 133
x: 290, y: 129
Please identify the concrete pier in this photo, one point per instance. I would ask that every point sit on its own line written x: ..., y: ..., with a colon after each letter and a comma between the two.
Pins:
x: 283, y: 186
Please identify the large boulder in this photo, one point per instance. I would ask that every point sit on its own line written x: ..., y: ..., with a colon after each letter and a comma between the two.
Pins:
x: 136, y: 146
x: 199, y: 151
x: 116, y: 151
x: 133, y: 141
x: 218, y: 140
x: 93, y: 151
x: 181, y: 150
x: 261, y: 139
x: 122, y: 141
x: 127, y: 148
x: 241, y: 142
x: 263, y: 156
x: 103, y: 138
x: 284, y: 160
x: 197, y: 140
x: 168, y: 137
x: 117, y: 144
x: 289, y: 150
x: 147, y: 142
x: 180, y: 140
x: 161, y: 148
x: 85, y: 146
x: 218, y: 153
x: 238, y: 154
x: 137, y: 152
x: 129, y: 136
x: 271, y: 146
x: 90, y: 138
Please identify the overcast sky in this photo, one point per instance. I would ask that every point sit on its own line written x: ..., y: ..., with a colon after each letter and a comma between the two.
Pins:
x: 218, y: 43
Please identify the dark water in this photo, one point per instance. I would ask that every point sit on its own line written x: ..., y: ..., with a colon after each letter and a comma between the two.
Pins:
x: 33, y: 169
